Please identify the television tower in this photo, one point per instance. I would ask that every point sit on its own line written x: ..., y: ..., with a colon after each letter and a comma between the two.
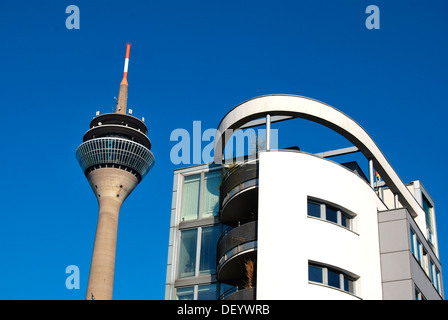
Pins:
x: 115, y: 156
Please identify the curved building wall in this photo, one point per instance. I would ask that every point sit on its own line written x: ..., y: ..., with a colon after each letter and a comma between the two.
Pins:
x: 289, y: 239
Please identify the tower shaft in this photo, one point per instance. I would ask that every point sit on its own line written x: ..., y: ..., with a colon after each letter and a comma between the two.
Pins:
x: 112, y: 186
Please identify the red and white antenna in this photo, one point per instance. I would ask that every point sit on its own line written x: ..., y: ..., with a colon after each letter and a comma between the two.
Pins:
x: 126, y: 64
x: 123, y: 93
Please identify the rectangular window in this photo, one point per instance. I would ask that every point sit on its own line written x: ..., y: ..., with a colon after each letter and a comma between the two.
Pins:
x: 207, y: 292
x: 185, y: 293
x: 200, y: 195
x: 190, y: 197
x: 412, y: 235
x: 435, y: 276
x: 210, y: 205
x: 315, y: 274
x: 209, y: 242
x: 331, y: 214
x: 197, y: 251
x: 187, y: 253
x: 334, y: 279
x: 198, y: 292
x: 313, y: 209
x: 427, y: 207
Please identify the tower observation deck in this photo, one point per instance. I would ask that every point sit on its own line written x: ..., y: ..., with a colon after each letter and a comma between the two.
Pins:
x: 114, y: 156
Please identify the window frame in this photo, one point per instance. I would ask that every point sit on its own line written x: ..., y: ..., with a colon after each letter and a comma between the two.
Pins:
x: 202, y: 182
x: 341, y: 213
x: 198, y: 253
x: 195, y: 288
x: 345, y: 278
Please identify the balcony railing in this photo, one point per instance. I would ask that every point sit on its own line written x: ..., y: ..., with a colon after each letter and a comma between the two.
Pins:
x: 234, y: 237
x: 237, y: 175
x: 239, y: 293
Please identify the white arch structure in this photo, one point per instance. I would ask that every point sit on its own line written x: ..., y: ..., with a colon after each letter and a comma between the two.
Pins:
x: 293, y: 106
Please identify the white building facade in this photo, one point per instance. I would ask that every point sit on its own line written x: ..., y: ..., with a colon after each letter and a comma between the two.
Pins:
x: 287, y: 224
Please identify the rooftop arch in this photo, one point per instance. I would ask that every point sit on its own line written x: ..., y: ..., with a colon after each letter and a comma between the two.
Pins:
x: 292, y: 106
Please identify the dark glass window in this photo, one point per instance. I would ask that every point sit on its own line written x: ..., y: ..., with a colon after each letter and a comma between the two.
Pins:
x: 207, y: 292
x: 314, y: 209
x: 315, y: 274
x: 209, y: 241
x: 330, y: 277
x: 334, y: 279
x: 331, y: 214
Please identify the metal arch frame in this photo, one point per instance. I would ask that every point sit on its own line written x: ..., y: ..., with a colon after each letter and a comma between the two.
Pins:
x: 293, y: 106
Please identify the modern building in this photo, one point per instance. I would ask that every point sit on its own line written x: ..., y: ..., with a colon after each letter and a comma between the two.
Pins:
x: 114, y: 156
x: 287, y: 224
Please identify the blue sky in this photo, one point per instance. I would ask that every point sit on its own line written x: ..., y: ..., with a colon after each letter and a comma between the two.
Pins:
x: 194, y: 61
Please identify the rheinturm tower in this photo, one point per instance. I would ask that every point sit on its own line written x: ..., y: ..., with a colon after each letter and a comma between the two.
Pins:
x: 114, y: 156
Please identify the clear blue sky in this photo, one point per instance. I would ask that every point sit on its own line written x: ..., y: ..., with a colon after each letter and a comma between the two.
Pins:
x: 194, y: 60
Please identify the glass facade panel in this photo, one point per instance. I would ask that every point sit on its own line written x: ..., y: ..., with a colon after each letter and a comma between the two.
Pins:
x: 185, y: 293
x: 427, y: 207
x: 190, y: 197
x: 412, y: 236
x: 209, y: 242
x: 331, y: 214
x: 314, y: 209
x: 210, y: 192
x: 187, y: 253
x: 207, y: 292
x: 334, y: 278
x: 315, y: 274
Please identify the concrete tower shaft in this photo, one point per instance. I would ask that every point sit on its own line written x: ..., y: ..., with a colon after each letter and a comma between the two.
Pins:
x: 112, y: 187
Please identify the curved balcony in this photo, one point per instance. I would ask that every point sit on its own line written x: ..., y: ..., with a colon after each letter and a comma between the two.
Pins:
x: 234, y: 248
x: 239, y: 193
x: 237, y: 293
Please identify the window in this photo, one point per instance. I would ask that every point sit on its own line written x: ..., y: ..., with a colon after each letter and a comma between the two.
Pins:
x: 330, y: 277
x: 330, y: 213
x: 428, y: 208
x: 209, y: 241
x: 314, y: 209
x: 419, y: 251
x: 315, y: 274
x: 212, y: 182
x: 435, y: 276
x: 190, y: 197
x: 187, y: 253
x: 413, y: 243
x: 207, y: 292
x: 185, y: 293
x: 200, y: 195
x: 198, y: 292
x: 197, y: 259
x: 418, y: 294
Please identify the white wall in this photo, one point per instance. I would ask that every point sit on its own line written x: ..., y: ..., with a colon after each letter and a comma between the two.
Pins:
x: 287, y: 238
